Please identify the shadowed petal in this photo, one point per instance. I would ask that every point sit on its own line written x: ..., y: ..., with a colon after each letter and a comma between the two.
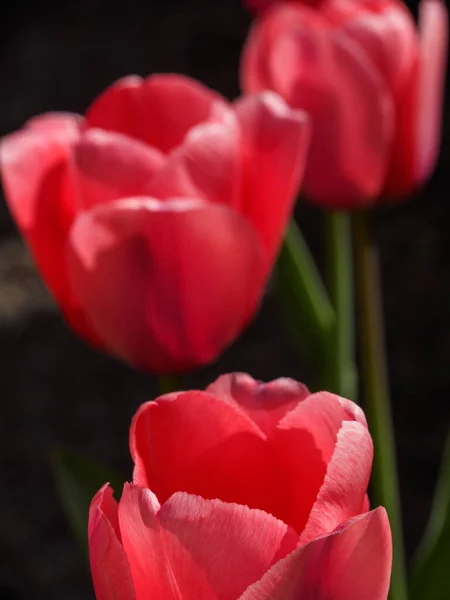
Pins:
x: 304, y: 442
x: 167, y: 285
x: 220, y: 455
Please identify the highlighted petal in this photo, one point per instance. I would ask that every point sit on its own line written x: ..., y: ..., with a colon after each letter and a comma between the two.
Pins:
x: 207, y: 166
x: 196, y: 548
x: 113, y: 166
x: 344, y: 488
x: 38, y: 176
x: 28, y: 156
x: 352, y: 563
x: 275, y: 142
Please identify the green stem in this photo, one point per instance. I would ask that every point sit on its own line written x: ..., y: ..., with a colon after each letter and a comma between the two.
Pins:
x: 339, y: 277
x: 307, y: 310
x: 376, y: 392
x: 169, y: 383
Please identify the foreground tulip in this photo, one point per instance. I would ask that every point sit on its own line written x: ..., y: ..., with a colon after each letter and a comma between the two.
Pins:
x: 156, y: 219
x: 372, y: 82
x: 243, y: 491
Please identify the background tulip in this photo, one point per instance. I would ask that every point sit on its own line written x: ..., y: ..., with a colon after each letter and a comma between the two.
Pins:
x: 155, y: 220
x: 372, y: 82
x: 264, y: 497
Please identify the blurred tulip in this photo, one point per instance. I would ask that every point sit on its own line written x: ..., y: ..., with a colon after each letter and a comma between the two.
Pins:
x: 245, y: 491
x: 371, y: 81
x: 156, y: 219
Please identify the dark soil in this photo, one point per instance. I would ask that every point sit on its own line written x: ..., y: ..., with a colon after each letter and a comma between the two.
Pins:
x: 55, y: 390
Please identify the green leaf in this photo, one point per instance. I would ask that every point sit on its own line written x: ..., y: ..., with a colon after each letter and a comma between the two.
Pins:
x: 430, y: 578
x: 307, y: 312
x: 78, y: 478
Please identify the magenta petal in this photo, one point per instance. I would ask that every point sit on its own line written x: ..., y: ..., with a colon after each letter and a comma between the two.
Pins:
x: 353, y: 563
x: 167, y: 285
x: 109, y: 565
x: 158, y: 110
x: 195, y: 548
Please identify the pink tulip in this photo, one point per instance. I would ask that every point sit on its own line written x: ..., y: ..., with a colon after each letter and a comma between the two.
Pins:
x: 372, y: 82
x: 245, y: 491
x: 156, y: 219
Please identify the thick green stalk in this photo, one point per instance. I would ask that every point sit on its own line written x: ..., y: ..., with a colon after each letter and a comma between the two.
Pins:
x: 376, y: 393
x: 339, y: 278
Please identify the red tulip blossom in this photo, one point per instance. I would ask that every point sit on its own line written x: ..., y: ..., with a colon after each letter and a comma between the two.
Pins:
x: 156, y: 219
x: 244, y: 491
x: 372, y: 82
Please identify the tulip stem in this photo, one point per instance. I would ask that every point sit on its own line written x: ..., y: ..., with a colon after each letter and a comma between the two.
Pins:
x: 376, y: 392
x: 169, y: 383
x: 306, y: 307
x: 339, y: 278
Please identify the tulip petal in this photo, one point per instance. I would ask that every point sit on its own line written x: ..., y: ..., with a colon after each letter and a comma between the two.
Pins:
x: 433, y: 28
x: 166, y: 285
x: 195, y: 548
x: 352, y: 411
x: 159, y: 110
x: 206, y: 166
x: 387, y: 33
x: 304, y: 442
x: 38, y: 178
x: 352, y: 563
x: 275, y: 143
x: 265, y: 403
x: 28, y: 156
x: 343, y: 491
x: 56, y: 124
x: 222, y: 455
x: 321, y: 70
x: 113, y: 166
x: 109, y: 564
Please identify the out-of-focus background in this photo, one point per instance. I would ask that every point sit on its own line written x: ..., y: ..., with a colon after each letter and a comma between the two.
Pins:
x: 55, y: 390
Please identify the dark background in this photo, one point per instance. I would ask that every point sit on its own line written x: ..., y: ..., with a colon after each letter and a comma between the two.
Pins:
x: 54, y: 389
